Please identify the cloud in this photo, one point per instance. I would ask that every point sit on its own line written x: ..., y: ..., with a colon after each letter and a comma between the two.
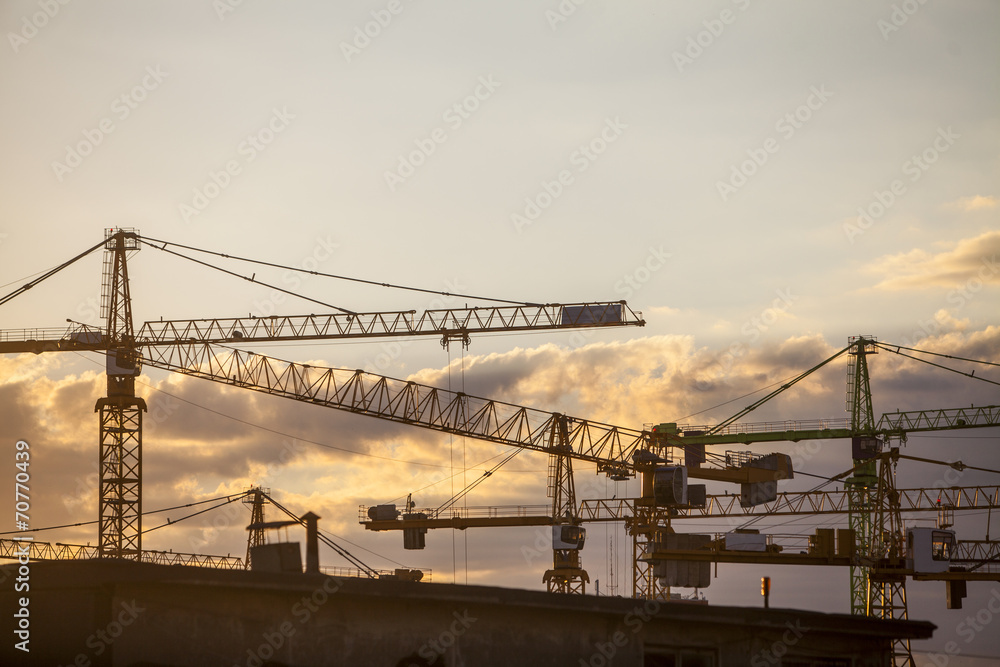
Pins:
x: 722, y: 325
x: 203, y: 440
x: 970, y: 260
x: 975, y: 203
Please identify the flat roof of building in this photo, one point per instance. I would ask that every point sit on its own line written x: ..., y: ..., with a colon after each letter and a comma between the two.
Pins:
x: 80, y: 574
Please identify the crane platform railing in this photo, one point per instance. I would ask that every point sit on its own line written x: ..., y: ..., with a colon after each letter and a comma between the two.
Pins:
x: 771, y: 427
x: 485, y: 511
x: 979, y: 555
x: 892, y: 424
x: 76, y: 336
x: 720, y: 506
x: 355, y: 573
x: 806, y: 502
x: 198, y: 560
x: 45, y: 333
x: 44, y: 551
x: 11, y: 550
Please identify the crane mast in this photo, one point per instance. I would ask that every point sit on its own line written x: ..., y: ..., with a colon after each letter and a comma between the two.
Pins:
x: 567, y: 574
x: 120, y: 439
x: 861, y: 485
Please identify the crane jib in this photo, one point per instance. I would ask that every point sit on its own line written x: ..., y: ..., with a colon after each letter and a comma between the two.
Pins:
x: 451, y: 321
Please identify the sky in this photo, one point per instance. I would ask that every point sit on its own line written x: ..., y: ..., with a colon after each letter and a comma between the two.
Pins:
x: 760, y: 180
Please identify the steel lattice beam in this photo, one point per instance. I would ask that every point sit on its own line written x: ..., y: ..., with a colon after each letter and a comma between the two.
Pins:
x: 938, y: 420
x: 443, y: 322
x: 120, y: 431
x: 12, y: 549
x: 398, y: 400
x: 120, y: 518
x: 451, y: 322
x: 803, y: 502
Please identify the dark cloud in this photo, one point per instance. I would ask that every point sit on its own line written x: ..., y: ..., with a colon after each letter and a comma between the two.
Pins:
x: 19, y: 417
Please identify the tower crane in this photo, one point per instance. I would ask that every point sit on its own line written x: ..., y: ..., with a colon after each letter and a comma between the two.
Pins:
x: 203, y: 348
x: 617, y: 451
x: 873, y: 546
x: 815, y: 502
x: 872, y: 497
x: 880, y: 556
x: 206, y: 349
x: 189, y: 345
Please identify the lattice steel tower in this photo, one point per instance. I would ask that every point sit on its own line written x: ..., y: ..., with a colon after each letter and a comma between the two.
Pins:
x: 120, y: 529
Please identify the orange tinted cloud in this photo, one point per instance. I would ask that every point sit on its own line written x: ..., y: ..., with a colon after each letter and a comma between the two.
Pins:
x: 192, y: 452
x: 969, y: 260
x: 976, y: 203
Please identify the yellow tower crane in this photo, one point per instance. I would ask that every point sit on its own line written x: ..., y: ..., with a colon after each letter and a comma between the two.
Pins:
x: 196, y: 347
